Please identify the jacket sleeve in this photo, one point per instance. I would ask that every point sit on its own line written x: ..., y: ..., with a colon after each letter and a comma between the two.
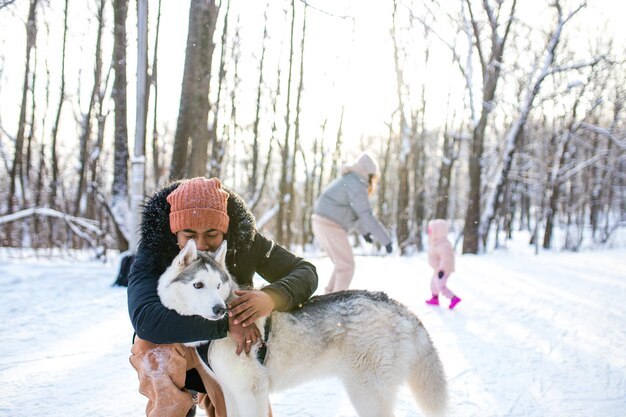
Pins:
x: 367, y: 222
x: 156, y: 323
x: 292, y: 279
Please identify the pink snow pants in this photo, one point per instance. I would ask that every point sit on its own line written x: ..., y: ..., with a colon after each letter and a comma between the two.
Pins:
x: 333, y: 239
x: 438, y: 285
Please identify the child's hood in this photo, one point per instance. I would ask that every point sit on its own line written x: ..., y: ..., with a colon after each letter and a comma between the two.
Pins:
x: 437, y: 230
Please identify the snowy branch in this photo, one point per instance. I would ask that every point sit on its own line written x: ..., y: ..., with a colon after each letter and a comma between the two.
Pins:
x: 5, y: 3
x: 327, y: 13
x: 604, y: 132
x: 575, y: 66
x: 87, y: 224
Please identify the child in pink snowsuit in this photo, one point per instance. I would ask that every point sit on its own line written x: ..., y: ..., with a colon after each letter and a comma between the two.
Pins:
x: 441, y: 259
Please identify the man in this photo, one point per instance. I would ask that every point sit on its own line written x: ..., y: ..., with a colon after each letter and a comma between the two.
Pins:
x: 202, y: 210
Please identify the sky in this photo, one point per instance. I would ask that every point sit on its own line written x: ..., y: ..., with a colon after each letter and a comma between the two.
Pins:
x: 534, y: 335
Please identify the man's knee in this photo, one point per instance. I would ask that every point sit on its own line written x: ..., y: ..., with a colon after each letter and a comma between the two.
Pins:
x: 156, y: 361
x: 162, y: 370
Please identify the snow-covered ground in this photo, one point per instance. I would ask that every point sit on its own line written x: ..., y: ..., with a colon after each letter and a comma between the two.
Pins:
x: 534, y: 336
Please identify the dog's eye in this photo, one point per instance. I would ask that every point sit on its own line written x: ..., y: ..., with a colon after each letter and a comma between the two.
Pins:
x: 219, y: 285
x: 198, y: 285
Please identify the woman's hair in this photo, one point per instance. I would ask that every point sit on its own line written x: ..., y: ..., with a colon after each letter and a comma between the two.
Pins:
x: 371, y: 178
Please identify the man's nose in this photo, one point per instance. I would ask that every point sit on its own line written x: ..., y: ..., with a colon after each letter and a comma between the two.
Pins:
x: 202, y: 244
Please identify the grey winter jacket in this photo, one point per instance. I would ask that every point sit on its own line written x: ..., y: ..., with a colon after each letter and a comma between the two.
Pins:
x: 345, y: 201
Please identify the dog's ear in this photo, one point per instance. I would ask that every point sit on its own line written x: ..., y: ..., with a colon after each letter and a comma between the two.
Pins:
x: 220, y: 254
x: 187, y: 255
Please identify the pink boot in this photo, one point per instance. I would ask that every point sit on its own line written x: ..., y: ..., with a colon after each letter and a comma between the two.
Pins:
x: 455, y: 301
x: 433, y: 301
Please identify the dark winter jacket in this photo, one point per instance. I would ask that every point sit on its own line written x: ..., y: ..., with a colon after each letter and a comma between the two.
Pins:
x: 292, y: 280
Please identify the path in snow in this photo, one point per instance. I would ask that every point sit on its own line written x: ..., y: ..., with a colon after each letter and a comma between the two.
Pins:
x: 534, y: 336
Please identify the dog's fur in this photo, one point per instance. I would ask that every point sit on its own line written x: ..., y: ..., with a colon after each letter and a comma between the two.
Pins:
x: 371, y: 342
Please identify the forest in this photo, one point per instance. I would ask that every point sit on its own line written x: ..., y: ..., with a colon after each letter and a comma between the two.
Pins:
x: 499, y: 115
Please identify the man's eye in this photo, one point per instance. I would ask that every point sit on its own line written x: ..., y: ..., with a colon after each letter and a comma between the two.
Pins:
x: 198, y: 285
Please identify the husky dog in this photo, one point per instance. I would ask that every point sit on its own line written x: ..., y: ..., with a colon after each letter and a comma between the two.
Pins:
x: 371, y: 342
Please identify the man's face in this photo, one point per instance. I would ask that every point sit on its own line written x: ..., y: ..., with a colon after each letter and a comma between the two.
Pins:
x: 206, y: 239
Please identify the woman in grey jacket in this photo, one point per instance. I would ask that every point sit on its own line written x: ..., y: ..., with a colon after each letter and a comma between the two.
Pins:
x: 344, y: 205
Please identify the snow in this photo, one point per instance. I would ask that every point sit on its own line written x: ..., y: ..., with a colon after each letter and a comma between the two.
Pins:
x: 535, y: 335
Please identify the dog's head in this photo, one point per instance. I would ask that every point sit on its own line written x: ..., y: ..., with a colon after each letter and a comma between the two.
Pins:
x: 197, y: 283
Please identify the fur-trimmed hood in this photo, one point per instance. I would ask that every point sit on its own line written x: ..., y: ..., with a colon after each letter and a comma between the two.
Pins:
x: 157, y: 238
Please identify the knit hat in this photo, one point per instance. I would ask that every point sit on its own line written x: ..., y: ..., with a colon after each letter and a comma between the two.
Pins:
x: 366, y: 165
x: 198, y: 202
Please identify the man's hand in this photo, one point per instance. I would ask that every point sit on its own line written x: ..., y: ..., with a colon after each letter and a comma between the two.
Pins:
x: 250, y: 306
x: 244, y: 336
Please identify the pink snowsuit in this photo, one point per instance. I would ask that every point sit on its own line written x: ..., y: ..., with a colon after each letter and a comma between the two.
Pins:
x: 440, y: 257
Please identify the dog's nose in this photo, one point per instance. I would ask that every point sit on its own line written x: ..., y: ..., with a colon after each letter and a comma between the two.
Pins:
x: 219, y: 310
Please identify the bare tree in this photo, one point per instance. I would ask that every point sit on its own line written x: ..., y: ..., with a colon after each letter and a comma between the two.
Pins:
x: 54, y: 159
x: 157, y: 169
x: 119, y: 189
x: 514, y: 134
x: 304, y: 213
x: 218, y: 144
x: 31, y: 39
x: 254, y: 164
x: 491, y: 67
x: 282, y: 216
x: 80, y: 202
x: 194, y: 98
x: 405, y: 137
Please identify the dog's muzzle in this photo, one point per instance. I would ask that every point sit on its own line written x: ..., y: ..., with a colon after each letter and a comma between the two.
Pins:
x: 219, y: 311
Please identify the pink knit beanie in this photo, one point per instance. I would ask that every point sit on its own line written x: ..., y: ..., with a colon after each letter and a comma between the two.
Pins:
x: 198, y: 202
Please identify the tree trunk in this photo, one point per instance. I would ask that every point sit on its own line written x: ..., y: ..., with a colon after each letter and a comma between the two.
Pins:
x: 404, y: 189
x: 334, y: 170
x: 291, y: 212
x: 80, y: 203
x: 218, y: 144
x: 194, y: 97
x: 54, y: 163
x: 254, y: 166
x: 206, y: 20
x: 157, y: 169
x: 284, y: 185
x: 31, y: 39
x: 138, y: 166
x: 490, y: 74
